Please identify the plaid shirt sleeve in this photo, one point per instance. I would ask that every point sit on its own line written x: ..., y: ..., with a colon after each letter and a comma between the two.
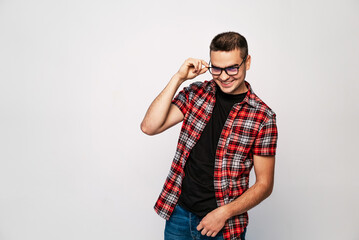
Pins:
x: 184, y: 98
x: 181, y: 100
x: 266, y: 141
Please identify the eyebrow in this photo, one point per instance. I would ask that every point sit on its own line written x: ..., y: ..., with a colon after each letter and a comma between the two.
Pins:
x: 235, y: 65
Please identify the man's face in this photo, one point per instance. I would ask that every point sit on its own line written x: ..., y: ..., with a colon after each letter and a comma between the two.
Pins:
x: 230, y: 84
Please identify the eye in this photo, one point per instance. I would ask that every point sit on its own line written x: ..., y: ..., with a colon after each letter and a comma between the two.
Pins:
x: 232, y: 70
x: 216, y: 70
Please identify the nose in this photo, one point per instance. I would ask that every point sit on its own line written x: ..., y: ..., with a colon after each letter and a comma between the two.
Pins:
x: 223, y: 76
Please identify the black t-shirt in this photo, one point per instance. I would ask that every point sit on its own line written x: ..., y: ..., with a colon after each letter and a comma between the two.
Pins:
x: 198, y: 194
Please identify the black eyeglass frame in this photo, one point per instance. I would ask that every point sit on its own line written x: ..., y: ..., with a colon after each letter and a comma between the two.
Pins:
x: 225, y: 69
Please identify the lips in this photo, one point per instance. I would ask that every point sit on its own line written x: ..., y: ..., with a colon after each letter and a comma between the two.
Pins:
x: 226, y: 83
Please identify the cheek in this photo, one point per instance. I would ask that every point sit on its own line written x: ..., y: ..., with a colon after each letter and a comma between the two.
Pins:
x: 240, y: 75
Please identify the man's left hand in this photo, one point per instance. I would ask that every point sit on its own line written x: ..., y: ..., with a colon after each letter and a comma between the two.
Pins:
x: 213, y: 222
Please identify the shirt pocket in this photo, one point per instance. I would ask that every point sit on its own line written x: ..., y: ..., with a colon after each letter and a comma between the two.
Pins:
x: 241, y: 137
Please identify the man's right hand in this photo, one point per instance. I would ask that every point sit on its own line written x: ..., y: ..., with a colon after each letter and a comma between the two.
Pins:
x: 162, y: 115
x: 191, y: 68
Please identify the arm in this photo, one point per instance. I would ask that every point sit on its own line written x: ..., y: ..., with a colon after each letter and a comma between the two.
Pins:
x: 214, y: 221
x: 161, y: 114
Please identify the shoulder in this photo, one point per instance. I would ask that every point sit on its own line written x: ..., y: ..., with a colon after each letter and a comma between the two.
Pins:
x: 199, y: 88
x: 196, y: 86
x: 263, y: 111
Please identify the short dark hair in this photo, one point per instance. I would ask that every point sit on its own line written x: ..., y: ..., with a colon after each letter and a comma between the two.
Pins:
x: 229, y: 41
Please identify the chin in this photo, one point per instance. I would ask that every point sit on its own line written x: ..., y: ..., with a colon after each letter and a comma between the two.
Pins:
x: 227, y: 90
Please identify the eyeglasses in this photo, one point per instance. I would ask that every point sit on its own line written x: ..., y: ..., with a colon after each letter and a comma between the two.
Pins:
x: 231, y: 70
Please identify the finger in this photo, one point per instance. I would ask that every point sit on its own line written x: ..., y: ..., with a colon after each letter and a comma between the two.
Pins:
x: 195, y: 65
x: 190, y: 62
x: 214, y: 234
x: 203, y: 70
x: 199, y: 227
x: 203, y: 232
x: 199, y: 66
x: 204, y: 63
x: 209, y: 233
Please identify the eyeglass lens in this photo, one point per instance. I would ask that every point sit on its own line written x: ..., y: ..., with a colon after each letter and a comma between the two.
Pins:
x: 229, y: 70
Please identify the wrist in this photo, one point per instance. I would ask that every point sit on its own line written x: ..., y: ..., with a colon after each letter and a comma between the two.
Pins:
x: 178, y: 78
x: 227, y: 212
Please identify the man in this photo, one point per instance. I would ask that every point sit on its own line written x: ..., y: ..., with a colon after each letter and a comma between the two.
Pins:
x: 226, y: 130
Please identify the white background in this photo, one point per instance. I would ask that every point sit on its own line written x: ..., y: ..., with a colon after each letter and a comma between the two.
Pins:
x: 76, y: 78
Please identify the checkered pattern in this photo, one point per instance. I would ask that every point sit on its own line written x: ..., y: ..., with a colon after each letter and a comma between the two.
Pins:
x: 250, y: 130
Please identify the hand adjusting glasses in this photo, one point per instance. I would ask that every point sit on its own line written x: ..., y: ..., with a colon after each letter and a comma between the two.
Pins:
x: 231, y: 70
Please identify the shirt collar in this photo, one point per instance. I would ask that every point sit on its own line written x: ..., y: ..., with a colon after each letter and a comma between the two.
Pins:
x: 250, y: 98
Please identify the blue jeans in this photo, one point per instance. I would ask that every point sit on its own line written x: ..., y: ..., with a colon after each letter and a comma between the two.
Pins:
x: 182, y: 225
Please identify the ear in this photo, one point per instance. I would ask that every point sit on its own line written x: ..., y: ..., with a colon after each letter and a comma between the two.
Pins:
x: 248, y: 62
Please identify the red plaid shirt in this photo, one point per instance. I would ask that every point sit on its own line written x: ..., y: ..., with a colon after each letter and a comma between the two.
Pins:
x: 250, y: 129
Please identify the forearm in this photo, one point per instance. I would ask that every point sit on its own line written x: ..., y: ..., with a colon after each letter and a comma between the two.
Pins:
x: 214, y: 221
x: 158, y: 111
x: 249, y: 199
x: 160, y: 115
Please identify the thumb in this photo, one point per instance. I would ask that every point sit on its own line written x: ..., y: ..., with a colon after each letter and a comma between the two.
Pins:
x: 203, y: 70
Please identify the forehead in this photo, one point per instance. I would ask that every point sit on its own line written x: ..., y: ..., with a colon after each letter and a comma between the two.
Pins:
x: 225, y: 59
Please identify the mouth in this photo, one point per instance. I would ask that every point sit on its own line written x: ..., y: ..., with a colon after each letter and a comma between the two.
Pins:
x: 226, y: 83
